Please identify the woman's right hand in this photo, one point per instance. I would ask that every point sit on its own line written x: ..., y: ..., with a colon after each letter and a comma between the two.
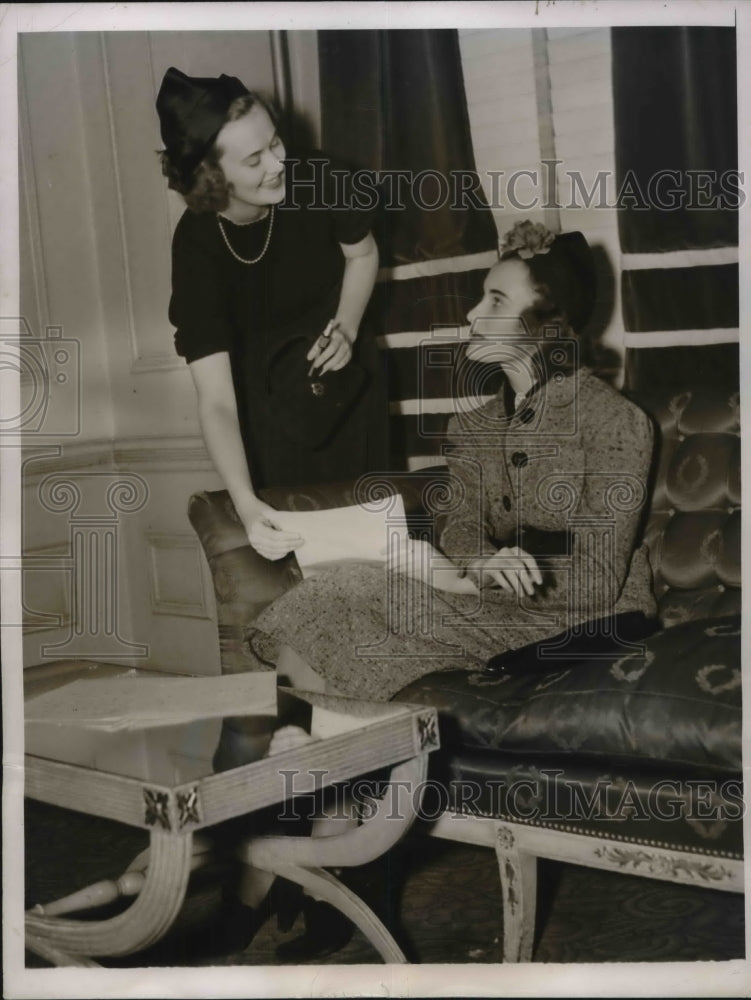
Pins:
x: 511, y: 568
x: 332, y: 350
x: 264, y: 535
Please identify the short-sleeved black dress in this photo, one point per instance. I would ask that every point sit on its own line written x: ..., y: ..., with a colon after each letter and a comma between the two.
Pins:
x: 250, y: 310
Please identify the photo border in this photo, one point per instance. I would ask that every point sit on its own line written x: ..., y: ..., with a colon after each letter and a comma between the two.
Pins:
x: 622, y: 979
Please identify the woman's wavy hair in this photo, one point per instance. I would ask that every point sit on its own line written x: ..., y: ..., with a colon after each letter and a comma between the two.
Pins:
x: 205, y: 188
x: 548, y: 320
x: 548, y: 323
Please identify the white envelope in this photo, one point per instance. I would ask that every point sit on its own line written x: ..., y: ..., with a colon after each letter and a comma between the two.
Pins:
x: 360, y: 533
x: 369, y: 534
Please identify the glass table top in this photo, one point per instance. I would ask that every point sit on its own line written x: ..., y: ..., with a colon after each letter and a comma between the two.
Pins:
x: 177, y: 753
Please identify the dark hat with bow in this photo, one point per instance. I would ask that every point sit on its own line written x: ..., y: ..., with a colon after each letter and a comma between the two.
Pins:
x: 563, y: 261
x: 192, y: 110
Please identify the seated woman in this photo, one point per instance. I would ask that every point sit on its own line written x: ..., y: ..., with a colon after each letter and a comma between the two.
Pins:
x: 551, y: 479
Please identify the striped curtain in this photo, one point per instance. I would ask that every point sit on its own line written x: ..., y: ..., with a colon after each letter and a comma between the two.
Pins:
x: 394, y: 101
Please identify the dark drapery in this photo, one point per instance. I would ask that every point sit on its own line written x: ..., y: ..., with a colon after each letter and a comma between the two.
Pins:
x: 674, y: 93
x: 394, y: 100
x: 674, y: 96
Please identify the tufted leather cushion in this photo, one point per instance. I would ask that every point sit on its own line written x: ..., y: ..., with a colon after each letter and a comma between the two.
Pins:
x: 676, y: 702
x: 658, y: 807
x: 693, y: 533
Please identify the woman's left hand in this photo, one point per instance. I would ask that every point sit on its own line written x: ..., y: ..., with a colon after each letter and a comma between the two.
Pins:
x: 333, y: 352
x: 511, y: 568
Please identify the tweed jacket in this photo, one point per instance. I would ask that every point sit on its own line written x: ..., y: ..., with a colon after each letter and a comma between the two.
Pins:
x: 565, y: 478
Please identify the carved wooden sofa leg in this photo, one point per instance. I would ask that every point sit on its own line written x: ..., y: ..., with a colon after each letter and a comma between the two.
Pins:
x: 518, y: 847
x: 517, y: 867
x: 518, y: 871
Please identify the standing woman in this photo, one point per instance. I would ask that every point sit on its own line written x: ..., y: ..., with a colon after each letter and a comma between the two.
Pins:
x: 270, y: 280
x: 271, y: 274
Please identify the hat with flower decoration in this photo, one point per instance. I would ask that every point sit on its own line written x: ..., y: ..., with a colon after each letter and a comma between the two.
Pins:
x: 562, y: 261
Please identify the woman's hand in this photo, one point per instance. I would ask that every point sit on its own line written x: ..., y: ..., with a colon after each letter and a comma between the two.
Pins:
x: 332, y: 350
x: 263, y: 534
x: 513, y: 569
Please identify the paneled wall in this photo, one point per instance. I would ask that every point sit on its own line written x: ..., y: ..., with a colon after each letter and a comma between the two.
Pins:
x: 96, y: 224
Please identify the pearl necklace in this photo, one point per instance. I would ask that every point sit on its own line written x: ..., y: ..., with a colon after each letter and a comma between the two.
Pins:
x: 265, y: 245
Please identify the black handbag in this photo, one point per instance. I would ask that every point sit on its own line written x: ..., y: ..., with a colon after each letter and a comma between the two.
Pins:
x: 597, y: 640
x: 311, y: 406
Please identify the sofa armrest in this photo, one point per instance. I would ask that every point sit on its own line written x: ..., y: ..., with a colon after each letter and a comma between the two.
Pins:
x: 244, y: 581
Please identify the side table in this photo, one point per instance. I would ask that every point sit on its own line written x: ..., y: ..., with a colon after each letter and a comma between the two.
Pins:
x: 365, y: 737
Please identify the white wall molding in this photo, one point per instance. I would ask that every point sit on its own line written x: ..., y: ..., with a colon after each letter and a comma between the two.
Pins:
x: 178, y: 577
x: 53, y: 588
x: 442, y: 265
x: 712, y: 257
x: 302, y: 50
x: 122, y: 229
x: 439, y: 336
x: 174, y: 204
x: 158, y: 363
x: 184, y: 454
x: 545, y: 126
x: 453, y: 405
x: 77, y: 457
x: 176, y: 454
x: 682, y: 338
x: 29, y: 207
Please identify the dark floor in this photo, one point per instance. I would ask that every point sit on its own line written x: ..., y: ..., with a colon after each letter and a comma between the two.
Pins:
x: 441, y: 900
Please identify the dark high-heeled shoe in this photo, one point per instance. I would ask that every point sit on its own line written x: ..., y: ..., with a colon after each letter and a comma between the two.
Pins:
x: 238, y: 924
x: 286, y: 901
x: 326, y: 932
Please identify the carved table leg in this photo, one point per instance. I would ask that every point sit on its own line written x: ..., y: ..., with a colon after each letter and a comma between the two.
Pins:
x: 141, y: 925
x: 55, y: 956
x: 129, y: 883
x: 302, y: 859
x: 518, y: 871
x: 320, y: 884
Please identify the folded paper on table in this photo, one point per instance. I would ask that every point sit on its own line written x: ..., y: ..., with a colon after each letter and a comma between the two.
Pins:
x: 133, y: 701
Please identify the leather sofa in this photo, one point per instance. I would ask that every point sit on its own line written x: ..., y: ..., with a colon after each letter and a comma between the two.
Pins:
x: 629, y: 761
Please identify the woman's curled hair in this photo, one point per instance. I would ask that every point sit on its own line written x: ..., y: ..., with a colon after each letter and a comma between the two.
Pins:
x: 204, y: 187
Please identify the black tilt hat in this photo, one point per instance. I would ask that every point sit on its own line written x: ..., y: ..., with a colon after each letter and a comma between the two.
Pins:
x: 191, y: 112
